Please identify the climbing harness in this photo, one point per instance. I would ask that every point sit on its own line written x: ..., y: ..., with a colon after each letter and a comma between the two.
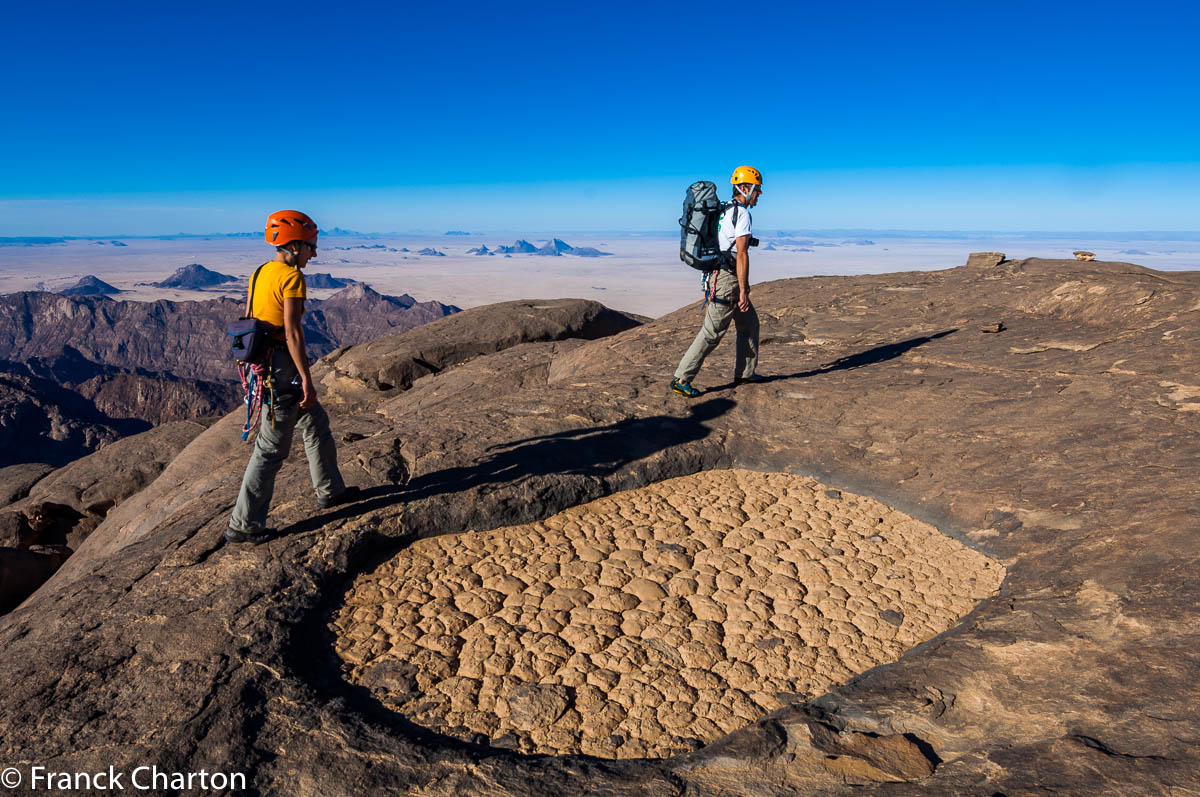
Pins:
x: 708, y: 284
x: 259, y: 387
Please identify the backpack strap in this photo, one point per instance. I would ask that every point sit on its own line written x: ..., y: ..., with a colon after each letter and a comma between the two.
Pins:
x: 729, y: 253
x: 253, y: 281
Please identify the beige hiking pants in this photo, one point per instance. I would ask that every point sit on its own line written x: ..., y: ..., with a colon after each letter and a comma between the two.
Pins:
x: 717, y: 316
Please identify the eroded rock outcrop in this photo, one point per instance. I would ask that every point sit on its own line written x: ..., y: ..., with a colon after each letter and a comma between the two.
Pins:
x: 1062, y: 446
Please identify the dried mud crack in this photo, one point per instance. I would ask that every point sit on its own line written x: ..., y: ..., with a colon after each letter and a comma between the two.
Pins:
x: 653, y: 621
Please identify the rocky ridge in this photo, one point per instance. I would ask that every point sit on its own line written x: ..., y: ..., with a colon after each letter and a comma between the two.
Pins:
x: 1063, y: 446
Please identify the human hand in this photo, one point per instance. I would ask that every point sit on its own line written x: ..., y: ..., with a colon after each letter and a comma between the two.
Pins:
x: 310, y: 395
x: 744, y: 300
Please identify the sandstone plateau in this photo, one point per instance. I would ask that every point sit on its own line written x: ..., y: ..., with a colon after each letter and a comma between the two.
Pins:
x: 949, y: 548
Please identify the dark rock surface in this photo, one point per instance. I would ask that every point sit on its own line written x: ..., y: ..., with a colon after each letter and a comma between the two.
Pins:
x: 23, y: 570
x: 1064, y: 445
x: 43, y: 421
x: 62, y: 507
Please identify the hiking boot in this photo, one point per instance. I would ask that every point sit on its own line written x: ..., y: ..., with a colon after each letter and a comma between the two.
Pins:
x: 254, y: 537
x: 684, y: 388
x: 344, y: 497
x: 753, y: 379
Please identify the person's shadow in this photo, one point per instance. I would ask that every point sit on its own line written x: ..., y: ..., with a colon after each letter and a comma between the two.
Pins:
x: 878, y: 354
x: 590, y: 451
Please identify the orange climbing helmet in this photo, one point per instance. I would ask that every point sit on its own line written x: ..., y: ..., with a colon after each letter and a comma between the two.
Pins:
x: 285, y: 226
x: 746, y: 175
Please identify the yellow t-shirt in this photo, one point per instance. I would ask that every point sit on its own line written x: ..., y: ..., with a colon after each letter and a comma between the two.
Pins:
x: 276, y: 281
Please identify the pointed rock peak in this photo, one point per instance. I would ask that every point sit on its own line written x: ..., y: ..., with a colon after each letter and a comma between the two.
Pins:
x: 195, y: 276
x: 89, y: 286
x: 357, y: 291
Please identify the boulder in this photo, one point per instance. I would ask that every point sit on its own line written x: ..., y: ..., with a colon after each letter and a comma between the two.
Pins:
x: 395, y: 362
x: 985, y: 259
x: 15, y: 480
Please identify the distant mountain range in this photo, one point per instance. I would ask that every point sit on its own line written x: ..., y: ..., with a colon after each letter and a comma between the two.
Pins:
x: 79, y: 371
x: 555, y: 248
x: 456, y: 232
x: 196, y: 278
x: 431, y: 252
x: 520, y: 247
x: 480, y: 250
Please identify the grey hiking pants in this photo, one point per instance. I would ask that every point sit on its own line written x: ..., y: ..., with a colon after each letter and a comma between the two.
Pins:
x: 274, y: 441
x: 717, y: 316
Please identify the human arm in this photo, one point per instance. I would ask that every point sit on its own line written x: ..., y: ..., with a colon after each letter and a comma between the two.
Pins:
x: 293, y: 332
x: 743, y: 272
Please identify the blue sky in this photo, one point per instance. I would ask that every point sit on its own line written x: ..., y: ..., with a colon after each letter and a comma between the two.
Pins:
x: 149, y: 117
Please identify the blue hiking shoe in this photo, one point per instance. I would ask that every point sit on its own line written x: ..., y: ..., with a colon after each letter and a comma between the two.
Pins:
x: 684, y: 389
x: 753, y: 379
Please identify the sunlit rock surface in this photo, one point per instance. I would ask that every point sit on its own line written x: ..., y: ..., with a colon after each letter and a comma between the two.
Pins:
x: 1064, y: 447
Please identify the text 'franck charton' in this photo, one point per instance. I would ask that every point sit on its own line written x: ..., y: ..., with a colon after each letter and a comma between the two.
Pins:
x: 145, y: 778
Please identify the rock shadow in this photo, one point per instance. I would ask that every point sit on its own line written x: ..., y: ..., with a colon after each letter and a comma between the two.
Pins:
x: 591, y: 451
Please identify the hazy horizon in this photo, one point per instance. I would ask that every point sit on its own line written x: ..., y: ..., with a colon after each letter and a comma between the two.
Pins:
x: 964, y: 235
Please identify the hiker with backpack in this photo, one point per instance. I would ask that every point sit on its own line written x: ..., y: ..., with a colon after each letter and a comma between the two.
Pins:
x: 716, y: 239
x: 277, y: 361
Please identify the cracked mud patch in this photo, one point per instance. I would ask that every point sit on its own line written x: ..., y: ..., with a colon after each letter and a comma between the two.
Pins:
x: 653, y: 621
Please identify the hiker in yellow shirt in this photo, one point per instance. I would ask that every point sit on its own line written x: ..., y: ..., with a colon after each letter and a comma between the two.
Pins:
x: 277, y: 294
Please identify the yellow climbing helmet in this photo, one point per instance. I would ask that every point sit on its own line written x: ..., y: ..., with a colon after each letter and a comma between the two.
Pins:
x: 743, y: 175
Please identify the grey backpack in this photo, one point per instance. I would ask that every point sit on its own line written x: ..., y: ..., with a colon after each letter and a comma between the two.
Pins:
x: 698, y: 246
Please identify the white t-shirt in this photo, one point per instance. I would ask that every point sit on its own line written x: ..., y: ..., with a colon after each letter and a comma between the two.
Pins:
x: 727, y: 232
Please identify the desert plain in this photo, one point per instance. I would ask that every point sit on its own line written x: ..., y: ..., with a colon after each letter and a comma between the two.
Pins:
x: 642, y: 274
